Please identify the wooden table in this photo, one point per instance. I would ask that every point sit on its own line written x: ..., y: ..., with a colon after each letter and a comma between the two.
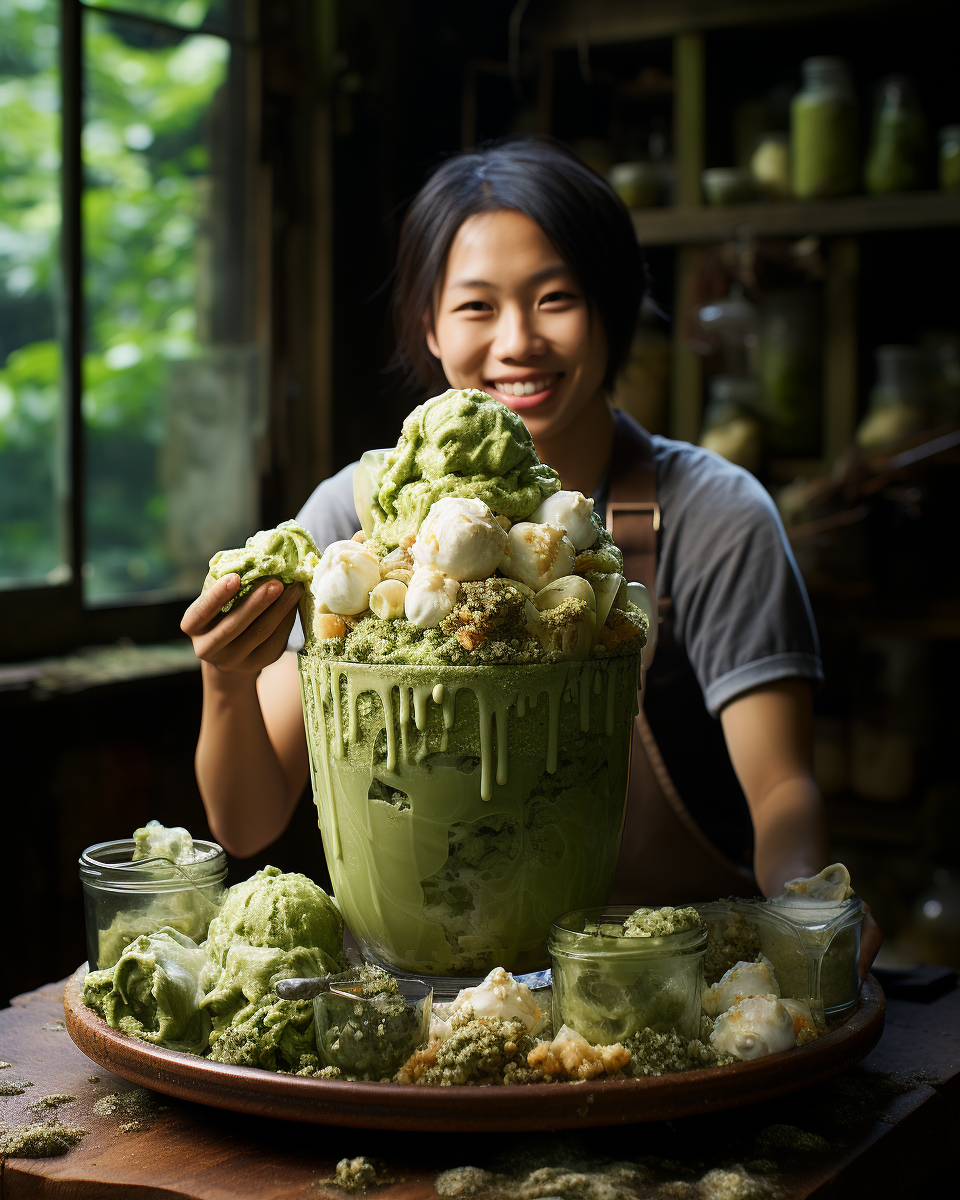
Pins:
x: 889, y: 1127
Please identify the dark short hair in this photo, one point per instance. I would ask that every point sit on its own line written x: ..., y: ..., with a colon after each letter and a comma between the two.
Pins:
x: 574, y: 206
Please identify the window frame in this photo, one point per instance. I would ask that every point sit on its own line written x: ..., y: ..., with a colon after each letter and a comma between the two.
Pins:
x: 48, y: 620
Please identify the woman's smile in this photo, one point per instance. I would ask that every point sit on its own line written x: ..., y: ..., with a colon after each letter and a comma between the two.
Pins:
x: 510, y: 318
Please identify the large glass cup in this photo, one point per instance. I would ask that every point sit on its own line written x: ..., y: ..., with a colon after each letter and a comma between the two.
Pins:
x: 463, y: 809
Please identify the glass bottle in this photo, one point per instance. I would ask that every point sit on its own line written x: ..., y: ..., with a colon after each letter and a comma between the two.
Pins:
x: 823, y: 131
x: 896, y: 160
x: 731, y: 427
x: 791, y: 371
x: 949, y: 164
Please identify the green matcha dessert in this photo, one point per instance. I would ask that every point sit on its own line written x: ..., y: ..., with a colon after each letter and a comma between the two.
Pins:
x: 617, y: 973
x: 159, y: 878
x: 469, y: 683
x: 272, y: 926
x: 153, y: 991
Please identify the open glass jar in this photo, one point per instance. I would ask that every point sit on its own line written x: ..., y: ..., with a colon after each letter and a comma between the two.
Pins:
x: 123, y: 899
x: 814, y: 945
x: 608, y: 986
x: 371, y: 1036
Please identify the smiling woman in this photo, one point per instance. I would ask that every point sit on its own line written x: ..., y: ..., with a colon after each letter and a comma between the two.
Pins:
x: 524, y: 270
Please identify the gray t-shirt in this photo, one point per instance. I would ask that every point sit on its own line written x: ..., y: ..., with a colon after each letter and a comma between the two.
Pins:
x: 740, y: 615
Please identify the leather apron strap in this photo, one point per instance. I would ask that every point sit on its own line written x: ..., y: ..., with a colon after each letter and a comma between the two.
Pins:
x: 665, y: 858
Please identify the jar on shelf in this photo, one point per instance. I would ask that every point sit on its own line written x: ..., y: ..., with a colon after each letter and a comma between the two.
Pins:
x: 731, y: 427
x: 643, y: 383
x: 823, y: 131
x: 791, y: 370
x: 898, y: 400
x: 948, y: 169
x: 770, y: 166
x: 897, y: 157
x: 637, y: 184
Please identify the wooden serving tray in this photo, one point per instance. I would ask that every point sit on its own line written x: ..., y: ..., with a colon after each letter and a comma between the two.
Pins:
x: 472, y: 1109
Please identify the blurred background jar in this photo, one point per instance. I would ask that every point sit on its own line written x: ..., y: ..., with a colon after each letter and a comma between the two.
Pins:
x: 770, y: 166
x: 791, y: 371
x: 897, y: 157
x: 731, y: 427
x: 728, y: 185
x: 948, y: 170
x: 643, y: 385
x: 638, y: 184
x: 898, y: 400
x: 823, y: 131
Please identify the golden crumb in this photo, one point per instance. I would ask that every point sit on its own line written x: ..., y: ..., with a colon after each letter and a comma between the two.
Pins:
x: 329, y: 625
x: 359, y: 536
x: 419, y: 1061
x: 619, y: 630
x: 572, y: 1056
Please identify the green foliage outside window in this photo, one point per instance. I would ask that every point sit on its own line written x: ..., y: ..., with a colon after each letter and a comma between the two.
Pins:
x: 148, y: 97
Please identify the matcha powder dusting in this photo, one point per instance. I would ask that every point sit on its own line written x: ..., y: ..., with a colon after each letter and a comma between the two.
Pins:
x: 38, y: 1141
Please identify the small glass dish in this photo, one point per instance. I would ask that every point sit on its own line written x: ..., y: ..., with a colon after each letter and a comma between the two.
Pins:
x: 814, y: 945
x: 123, y: 899
x: 371, y: 1036
x: 607, y: 986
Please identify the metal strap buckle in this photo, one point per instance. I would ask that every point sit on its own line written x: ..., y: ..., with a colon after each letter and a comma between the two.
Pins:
x: 633, y: 506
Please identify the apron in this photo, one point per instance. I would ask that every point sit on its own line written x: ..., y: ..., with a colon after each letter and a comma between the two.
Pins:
x: 665, y: 857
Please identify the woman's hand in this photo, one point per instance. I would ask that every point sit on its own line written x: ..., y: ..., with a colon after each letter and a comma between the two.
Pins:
x: 871, y: 939
x: 252, y: 635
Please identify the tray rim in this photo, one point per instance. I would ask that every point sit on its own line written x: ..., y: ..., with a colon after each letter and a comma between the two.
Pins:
x: 461, y: 1108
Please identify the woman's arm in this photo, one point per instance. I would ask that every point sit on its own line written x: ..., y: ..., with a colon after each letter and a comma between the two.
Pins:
x: 769, y: 735
x: 251, y: 756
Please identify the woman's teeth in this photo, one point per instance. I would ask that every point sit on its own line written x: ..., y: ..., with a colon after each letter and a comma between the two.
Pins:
x: 530, y: 388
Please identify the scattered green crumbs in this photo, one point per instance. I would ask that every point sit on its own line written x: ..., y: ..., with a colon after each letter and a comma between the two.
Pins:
x: 136, y: 1104
x: 14, y: 1087
x: 648, y: 922
x: 38, y: 1141
x: 52, y: 1101
x: 3, y: 1064
x: 355, y: 1174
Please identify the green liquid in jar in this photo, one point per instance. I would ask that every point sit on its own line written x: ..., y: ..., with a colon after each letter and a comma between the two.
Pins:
x: 464, y: 808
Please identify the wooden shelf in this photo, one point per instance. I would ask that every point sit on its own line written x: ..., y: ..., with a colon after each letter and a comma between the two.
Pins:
x: 606, y: 22
x: 845, y: 215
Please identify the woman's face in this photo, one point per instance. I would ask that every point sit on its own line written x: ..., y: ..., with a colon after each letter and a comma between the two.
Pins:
x: 510, y: 320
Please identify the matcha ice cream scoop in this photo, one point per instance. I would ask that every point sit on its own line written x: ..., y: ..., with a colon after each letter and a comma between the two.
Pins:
x: 277, y: 910
x: 287, y: 553
x: 154, y: 992
x: 461, y: 443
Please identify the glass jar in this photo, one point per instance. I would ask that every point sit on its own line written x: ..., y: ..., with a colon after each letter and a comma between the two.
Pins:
x: 637, y: 184
x: 791, y: 371
x: 896, y: 160
x: 371, y: 1036
x: 730, y: 424
x: 823, y: 131
x: 770, y: 166
x: 814, y: 945
x: 607, y: 986
x: 948, y: 167
x: 462, y: 808
x: 898, y: 400
x: 123, y: 899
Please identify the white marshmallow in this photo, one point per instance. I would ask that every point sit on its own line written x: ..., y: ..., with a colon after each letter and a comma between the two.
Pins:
x: 537, y: 554
x: 344, y: 577
x: 460, y: 537
x: 741, y: 981
x: 500, y: 995
x: 570, y: 587
x: 637, y: 594
x: 387, y: 599
x: 430, y: 597
x: 754, y: 1027
x: 571, y: 512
